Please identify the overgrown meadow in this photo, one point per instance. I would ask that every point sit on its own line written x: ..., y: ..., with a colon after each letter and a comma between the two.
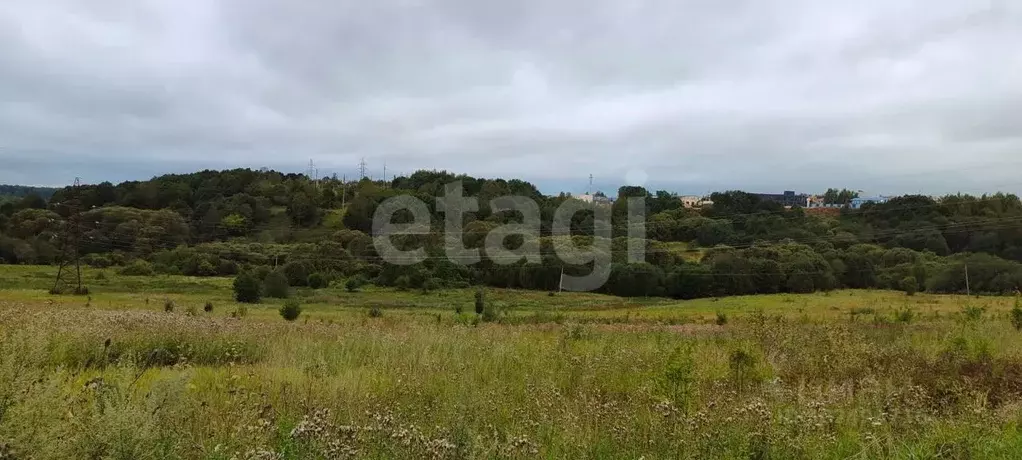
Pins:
x: 141, y: 370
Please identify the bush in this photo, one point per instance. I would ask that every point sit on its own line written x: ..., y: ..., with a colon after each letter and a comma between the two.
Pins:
x: 431, y: 284
x: 375, y: 311
x: 403, y: 282
x: 100, y: 276
x: 276, y: 286
x: 480, y: 301
x: 168, y: 306
x: 458, y: 310
x: 905, y: 315
x: 291, y: 310
x: 910, y: 285
x: 192, y: 310
x: 247, y: 288
x: 318, y: 281
x: 208, y: 308
x: 490, y: 313
x: 240, y: 312
x: 721, y: 319
x: 973, y: 314
x: 1016, y: 315
x: 355, y: 283
x: 297, y: 273
x: 138, y: 268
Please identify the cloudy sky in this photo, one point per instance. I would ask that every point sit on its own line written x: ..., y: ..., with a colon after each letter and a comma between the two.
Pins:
x: 889, y: 96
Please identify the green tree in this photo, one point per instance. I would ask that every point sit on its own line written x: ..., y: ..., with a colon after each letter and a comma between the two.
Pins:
x: 318, y: 281
x: 247, y: 288
x: 355, y: 283
x: 291, y: 310
x: 276, y: 286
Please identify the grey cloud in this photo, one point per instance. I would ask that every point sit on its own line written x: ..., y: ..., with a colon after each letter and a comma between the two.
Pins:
x: 890, y: 96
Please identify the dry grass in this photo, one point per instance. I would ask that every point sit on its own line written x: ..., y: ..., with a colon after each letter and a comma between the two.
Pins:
x: 786, y: 377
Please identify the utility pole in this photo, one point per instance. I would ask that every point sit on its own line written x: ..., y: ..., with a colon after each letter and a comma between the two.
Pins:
x: 384, y: 173
x: 344, y: 189
x: 590, y: 191
x: 69, y: 241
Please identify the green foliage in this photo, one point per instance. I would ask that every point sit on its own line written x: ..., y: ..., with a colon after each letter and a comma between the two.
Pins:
x: 276, y: 286
x: 973, y: 313
x: 480, y: 301
x: 910, y: 285
x: 431, y: 284
x: 192, y: 310
x: 168, y: 305
x: 138, y: 268
x: 904, y: 315
x: 721, y: 319
x: 208, y: 307
x: 247, y: 288
x: 403, y: 283
x: 355, y: 283
x: 375, y: 311
x: 491, y: 312
x: 1016, y: 315
x: 743, y: 368
x: 318, y: 281
x: 291, y: 310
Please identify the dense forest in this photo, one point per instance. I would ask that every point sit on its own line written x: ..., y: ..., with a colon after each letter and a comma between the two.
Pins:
x: 14, y: 193
x: 221, y: 223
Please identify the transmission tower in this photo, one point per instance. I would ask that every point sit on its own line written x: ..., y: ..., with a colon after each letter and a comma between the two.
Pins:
x: 362, y: 168
x: 68, y: 280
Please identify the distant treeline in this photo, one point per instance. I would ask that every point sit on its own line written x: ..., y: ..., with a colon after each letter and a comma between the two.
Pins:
x: 14, y: 193
x: 220, y: 222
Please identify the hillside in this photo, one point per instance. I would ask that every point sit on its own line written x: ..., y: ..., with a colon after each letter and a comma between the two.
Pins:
x: 222, y: 222
x: 14, y: 193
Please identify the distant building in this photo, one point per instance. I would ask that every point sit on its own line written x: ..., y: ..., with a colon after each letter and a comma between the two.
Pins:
x: 693, y: 201
x: 597, y: 198
x: 787, y: 199
x: 857, y: 203
x: 690, y: 201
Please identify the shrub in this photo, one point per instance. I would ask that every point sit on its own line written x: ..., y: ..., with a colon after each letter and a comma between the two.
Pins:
x: 297, y: 273
x: 318, y: 281
x: 192, y: 310
x: 291, y: 310
x: 276, y: 286
x: 458, y: 310
x: 403, y: 282
x: 743, y: 366
x: 480, y: 301
x: 1016, y: 315
x: 973, y: 314
x: 247, y: 288
x: 490, y: 313
x: 100, y: 276
x: 375, y: 311
x: 905, y: 315
x: 721, y: 319
x: 355, y: 283
x: 168, y: 306
x: 910, y: 285
x: 240, y: 312
x: 208, y: 308
x: 138, y: 268
x: 430, y: 284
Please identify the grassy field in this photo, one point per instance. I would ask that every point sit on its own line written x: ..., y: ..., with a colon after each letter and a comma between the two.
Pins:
x: 861, y: 374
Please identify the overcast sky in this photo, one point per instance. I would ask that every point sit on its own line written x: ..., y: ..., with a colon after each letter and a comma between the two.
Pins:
x: 889, y: 96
